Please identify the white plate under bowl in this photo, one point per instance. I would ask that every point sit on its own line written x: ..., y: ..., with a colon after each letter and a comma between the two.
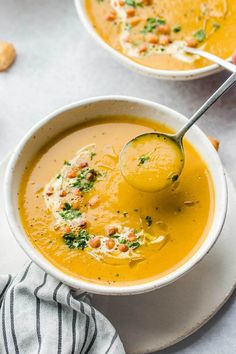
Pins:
x: 156, y: 320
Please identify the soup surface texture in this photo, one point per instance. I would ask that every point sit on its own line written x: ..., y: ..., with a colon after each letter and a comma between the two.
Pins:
x: 153, y: 33
x: 82, y: 215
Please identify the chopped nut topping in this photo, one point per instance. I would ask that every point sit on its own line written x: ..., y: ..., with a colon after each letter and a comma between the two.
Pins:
x: 7, y: 55
x: 83, y: 164
x: 214, y: 142
x: 123, y: 247
x: 82, y: 223
x: 63, y: 194
x: 130, y: 12
x: 95, y: 242
x: 111, y: 230
x: 110, y: 244
x: 191, y: 42
x: 132, y: 236
x: 134, y: 20
x: 50, y: 191
x: 151, y: 38
x: 111, y: 16
x: 164, y: 39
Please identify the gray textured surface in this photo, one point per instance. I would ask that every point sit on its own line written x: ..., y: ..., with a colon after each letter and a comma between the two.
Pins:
x: 59, y: 63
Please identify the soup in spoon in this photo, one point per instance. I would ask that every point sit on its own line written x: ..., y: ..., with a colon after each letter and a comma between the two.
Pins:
x: 151, y: 162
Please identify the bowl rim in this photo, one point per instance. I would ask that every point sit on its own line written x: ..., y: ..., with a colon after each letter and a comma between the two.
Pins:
x: 145, y: 70
x: 93, y: 287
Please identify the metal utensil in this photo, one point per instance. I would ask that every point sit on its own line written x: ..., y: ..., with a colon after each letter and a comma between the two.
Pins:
x: 178, y: 137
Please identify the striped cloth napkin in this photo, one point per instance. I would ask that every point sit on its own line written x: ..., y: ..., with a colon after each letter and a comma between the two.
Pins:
x: 39, y: 315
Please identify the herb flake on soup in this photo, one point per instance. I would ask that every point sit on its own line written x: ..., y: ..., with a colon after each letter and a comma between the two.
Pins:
x: 81, y: 214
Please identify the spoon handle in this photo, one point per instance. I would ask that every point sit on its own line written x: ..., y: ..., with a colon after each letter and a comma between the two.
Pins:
x: 224, y: 63
x: 217, y: 94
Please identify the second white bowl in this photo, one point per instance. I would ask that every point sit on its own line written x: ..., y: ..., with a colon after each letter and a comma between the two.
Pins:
x: 141, y: 69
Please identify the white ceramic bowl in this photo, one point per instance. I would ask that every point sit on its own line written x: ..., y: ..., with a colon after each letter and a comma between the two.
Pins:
x: 145, y: 70
x: 78, y: 112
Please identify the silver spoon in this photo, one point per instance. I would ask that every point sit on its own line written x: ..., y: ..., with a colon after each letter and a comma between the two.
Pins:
x: 224, y: 63
x: 177, y: 139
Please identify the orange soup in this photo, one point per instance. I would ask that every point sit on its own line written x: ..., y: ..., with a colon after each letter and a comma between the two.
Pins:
x: 81, y: 214
x: 153, y: 33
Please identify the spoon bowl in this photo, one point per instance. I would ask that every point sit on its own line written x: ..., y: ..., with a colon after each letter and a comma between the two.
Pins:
x: 152, y: 161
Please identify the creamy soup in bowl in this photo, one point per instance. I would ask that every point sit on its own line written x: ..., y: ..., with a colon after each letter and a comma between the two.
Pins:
x: 77, y: 217
x: 150, y: 35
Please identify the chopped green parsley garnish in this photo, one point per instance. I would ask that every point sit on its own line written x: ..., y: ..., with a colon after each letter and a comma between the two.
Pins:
x: 200, y: 35
x: 92, y: 155
x: 160, y: 21
x: 122, y: 240
x: 133, y: 3
x: 143, y: 159
x: 128, y: 27
x: 67, y: 163
x: 174, y: 178
x: 133, y: 245
x: 152, y: 23
x: 216, y: 26
x: 176, y: 29
x: 115, y: 236
x: 68, y: 213
x: 85, y: 180
x: 58, y: 176
x: 148, y: 220
x: 67, y: 206
x: 79, y: 241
